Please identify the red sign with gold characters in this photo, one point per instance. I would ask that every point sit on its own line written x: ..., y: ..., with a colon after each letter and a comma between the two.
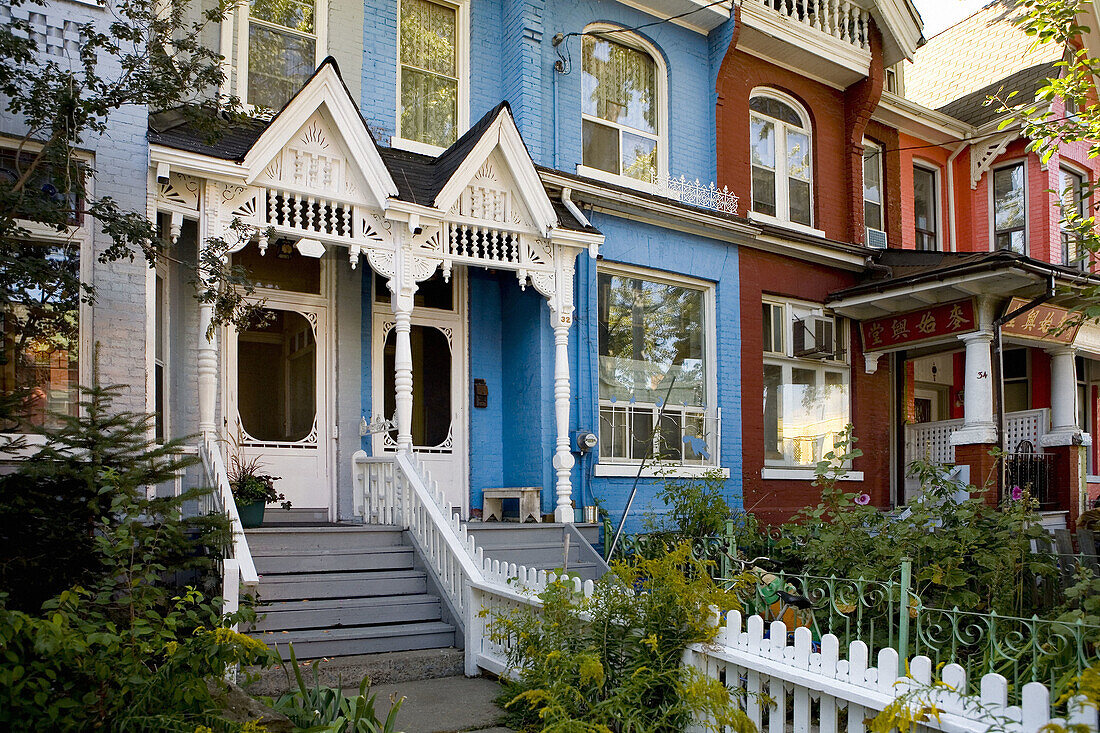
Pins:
x: 903, y: 329
x: 1043, y: 323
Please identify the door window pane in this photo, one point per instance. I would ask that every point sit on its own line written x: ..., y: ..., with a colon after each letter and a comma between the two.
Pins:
x: 431, y: 358
x: 40, y: 316
x: 1009, y: 210
x: 277, y: 379
x: 429, y: 73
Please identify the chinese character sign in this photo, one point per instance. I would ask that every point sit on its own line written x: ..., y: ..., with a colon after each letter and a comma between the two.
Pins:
x: 902, y: 329
x: 1042, y: 323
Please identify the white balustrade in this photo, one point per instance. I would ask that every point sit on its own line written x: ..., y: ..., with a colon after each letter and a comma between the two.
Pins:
x: 841, y: 19
x: 931, y: 441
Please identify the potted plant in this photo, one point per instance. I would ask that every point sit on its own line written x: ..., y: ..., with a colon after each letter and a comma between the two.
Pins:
x: 253, y: 490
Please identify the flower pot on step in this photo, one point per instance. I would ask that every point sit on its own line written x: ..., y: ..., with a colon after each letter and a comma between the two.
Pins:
x: 252, y: 514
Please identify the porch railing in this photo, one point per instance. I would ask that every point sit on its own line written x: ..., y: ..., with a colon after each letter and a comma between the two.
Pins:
x: 238, y: 568
x: 931, y: 441
x: 840, y: 19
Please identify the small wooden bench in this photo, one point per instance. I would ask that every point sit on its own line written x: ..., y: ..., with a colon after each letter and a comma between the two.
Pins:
x: 530, y: 503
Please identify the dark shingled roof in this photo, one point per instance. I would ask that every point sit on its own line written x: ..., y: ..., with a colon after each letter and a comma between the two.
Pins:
x: 419, y: 178
x: 971, y: 108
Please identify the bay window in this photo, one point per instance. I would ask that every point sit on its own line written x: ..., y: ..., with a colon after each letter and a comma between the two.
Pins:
x: 924, y: 208
x: 656, y: 370
x: 1010, y: 208
x: 40, y: 315
x: 806, y: 400
x: 282, y: 49
x: 621, y: 117
x: 779, y: 136
x: 429, y: 77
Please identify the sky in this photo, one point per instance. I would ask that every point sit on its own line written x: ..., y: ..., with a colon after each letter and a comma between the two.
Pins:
x: 939, y: 14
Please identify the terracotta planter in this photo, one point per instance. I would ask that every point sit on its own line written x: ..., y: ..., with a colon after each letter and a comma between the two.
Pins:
x: 252, y: 515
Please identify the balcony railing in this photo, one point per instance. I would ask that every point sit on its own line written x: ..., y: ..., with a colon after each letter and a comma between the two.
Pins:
x: 840, y: 19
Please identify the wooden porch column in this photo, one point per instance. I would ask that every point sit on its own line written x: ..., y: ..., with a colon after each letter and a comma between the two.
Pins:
x: 563, y: 456
x: 402, y: 301
x: 1064, y: 429
x: 207, y: 359
x: 978, y: 426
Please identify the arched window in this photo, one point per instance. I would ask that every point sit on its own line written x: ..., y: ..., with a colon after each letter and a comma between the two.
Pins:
x: 782, y: 160
x: 622, y: 105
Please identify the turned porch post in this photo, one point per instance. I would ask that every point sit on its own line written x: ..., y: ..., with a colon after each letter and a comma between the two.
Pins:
x: 401, y: 298
x: 563, y: 456
x: 207, y: 359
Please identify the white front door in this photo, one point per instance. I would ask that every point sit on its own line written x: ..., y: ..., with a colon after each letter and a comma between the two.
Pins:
x: 438, y: 338
x: 277, y: 406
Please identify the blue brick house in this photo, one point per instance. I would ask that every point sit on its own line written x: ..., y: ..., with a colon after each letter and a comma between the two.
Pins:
x: 554, y: 120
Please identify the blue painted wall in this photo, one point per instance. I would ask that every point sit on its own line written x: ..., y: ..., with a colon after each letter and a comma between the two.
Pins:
x: 512, y: 57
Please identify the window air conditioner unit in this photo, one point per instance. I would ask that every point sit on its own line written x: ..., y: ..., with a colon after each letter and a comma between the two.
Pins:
x: 876, y: 238
x: 814, y: 338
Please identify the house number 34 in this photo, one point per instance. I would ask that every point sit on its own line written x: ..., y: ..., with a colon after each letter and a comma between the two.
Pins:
x: 983, y: 375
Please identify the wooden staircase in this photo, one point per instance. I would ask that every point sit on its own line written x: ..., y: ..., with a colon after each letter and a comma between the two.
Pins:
x: 344, y: 590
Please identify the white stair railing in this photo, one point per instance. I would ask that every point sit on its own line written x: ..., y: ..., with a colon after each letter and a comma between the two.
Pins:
x: 238, y: 568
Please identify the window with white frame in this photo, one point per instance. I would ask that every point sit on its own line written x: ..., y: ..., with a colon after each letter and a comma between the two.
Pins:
x: 621, y: 117
x: 1072, y: 185
x: 656, y: 369
x: 781, y: 158
x: 282, y: 47
x: 40, y: 353
x: 925, y: 210
x: 429, y: 75
x: 1010, y: 208
x: 806, y: 378
x: 872, y: 186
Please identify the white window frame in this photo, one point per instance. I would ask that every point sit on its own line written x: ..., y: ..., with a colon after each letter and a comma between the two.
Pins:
x: 871, y: 145
x: 462, y: 67
x: 1085, y: 204
x: 1023, y: 162
x: 937, y: 203
x: 244, y: 19
x: 782, y: 192
x: 609, y: 466
x: 616, y: 34
x: 780, y: 468
x: 45, y: 235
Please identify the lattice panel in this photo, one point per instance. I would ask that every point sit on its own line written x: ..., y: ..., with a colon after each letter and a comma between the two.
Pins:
x: 931, y: 441
x: 1029, y: 425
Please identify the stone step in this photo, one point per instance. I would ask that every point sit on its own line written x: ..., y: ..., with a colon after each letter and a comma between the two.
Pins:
x: 347, y: 612
x: 299, y: 586
x: 398, y: 557
x: 345, y: 672
x: 317, y: 643
x: 272, y: 540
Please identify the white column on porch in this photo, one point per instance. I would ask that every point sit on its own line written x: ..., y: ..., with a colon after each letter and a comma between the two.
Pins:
x: 978, y: 425
x: 1063, y: 400
x: 563, y: 456
x: 207, y: 358
x: 401, y: 299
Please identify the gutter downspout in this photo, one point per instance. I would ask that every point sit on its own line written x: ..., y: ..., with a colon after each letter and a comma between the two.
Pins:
x: 951, y: 194
x: 572, y: 208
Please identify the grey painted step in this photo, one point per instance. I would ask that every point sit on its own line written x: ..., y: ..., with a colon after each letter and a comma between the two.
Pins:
x: 275, y: 515
x: 370, y: 640
x: 507, y: 533
x: 347, y: 612
x: 328, y: 561
x: 270, y: 540
x: 295, y: 587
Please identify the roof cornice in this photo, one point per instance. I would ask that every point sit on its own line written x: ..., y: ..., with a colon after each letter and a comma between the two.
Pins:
x: 920, y: 121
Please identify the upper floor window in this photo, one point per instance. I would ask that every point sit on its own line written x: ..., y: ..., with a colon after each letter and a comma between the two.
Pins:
x: 656, y: 369
x: 781, y: 159
x: 282, y: 45
x: 925, y: 217
x: 1010, y: 208
x: 621, y: 110
x: 429, y: 78
x: 1072, y: 185
x: 872, y: 187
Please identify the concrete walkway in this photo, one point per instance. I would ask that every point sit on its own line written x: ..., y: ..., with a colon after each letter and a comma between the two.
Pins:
x: 445, y: 705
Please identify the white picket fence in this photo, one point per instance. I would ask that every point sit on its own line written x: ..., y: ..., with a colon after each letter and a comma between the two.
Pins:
x: 828, y: 692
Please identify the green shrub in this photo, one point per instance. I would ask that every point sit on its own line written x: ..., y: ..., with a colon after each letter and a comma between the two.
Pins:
x: 696, y: 506
x: 612, y: 662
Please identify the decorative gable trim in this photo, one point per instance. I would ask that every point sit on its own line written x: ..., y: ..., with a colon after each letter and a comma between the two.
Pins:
x: 502, y: 135
x: 984, y: 153
x: 324, y: 90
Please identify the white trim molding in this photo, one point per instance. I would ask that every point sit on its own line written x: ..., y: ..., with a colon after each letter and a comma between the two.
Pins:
x: 655, y: 470
x: 802, y: 474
